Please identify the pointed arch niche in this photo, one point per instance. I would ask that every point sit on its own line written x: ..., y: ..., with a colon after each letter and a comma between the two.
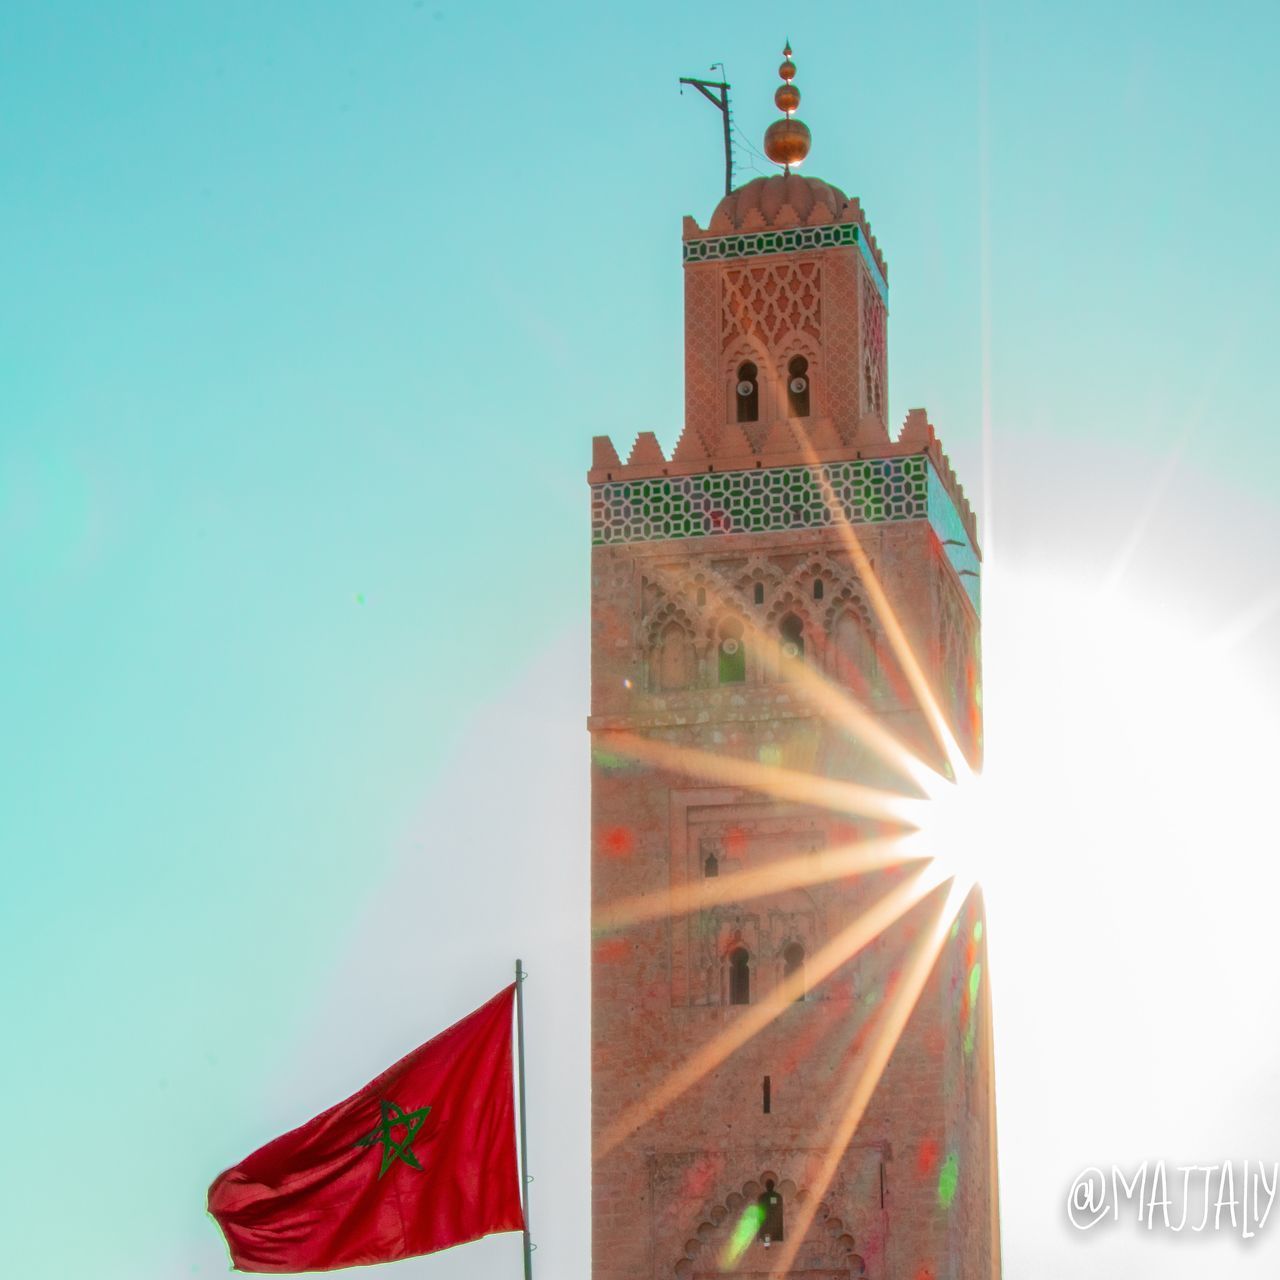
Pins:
x: 792, y: 627
x: 707, y: 1250
x: 731, y: 652
x: 798, y: 357
x: 852, y: 658
x: 673, y: 661
x: 749, y: 383
x: 792, y: 963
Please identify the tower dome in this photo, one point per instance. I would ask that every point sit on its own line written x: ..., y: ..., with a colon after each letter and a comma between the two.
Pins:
x: 783, y: 200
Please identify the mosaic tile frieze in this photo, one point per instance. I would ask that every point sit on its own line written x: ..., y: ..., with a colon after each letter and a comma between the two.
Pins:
x: 754, y: 243
x: 866, y: 491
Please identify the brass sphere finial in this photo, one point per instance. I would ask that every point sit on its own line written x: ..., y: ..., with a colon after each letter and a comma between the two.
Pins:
x: 787, y: 141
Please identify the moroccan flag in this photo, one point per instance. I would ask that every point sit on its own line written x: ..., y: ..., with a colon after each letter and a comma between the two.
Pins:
x: 422, y: 1158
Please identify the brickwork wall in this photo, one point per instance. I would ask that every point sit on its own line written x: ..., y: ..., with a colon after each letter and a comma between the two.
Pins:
x: 843, y: 343
x: 704, y: 398
x: 666, y: 1198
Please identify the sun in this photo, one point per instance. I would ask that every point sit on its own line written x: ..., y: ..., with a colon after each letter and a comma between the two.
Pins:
x: 956, y: 831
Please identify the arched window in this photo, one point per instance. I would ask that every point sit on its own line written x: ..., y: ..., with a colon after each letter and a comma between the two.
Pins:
x: 798, y: 387
x: 818, y: 588
x: 748, y: 392
x: 673, y: 661
x: 757, y: 593
x: 711, y: 867
x: 791, y: 639
x: 733, y: 653
x: 793, y: 963
x: 739, y: 976
x: 770, y: 1214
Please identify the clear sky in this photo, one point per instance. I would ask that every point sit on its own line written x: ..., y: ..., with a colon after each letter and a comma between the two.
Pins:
x: 308, y: 314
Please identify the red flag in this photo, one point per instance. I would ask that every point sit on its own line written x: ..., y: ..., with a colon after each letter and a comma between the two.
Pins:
x: 422, y: 1158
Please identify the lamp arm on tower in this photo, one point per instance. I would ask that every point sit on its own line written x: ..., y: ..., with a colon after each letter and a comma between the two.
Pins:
x: 719, y: 100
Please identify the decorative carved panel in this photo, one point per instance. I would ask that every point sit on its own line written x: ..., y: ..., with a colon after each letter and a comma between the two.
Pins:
x: 766, y: 301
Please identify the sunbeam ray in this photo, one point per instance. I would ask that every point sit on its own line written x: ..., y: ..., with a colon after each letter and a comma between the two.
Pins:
x: 1193, y: 419
x: 1143, y: 521
x: 827, y: 696
x: 849, y: 860
x: 1243, y: 624
x: 846, y: 944
x: 865, y: 1074
x: 885, y: 612
x: 782, y: 784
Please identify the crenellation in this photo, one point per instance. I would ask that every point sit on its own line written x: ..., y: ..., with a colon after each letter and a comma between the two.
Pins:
x: 689, y: 448
x: 604, y: 457
x: 918, y: 433
x: 733, y: 450
x: 916, y: 429
x: 646, y: 452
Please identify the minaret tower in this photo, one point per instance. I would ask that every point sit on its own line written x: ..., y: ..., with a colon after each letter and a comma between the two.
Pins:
x: 726, y: 597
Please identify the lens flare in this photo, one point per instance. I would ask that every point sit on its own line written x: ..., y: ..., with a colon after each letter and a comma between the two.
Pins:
x: 745, y: 1231
x: 948, y: 1180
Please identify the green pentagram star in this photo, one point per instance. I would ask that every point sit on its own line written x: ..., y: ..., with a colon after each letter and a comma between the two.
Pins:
x: 393, y: 1115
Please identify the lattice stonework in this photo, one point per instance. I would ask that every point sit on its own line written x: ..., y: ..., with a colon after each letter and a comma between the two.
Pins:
x: 866, y: 491
x: 873, y: 353
x: 768, y: 300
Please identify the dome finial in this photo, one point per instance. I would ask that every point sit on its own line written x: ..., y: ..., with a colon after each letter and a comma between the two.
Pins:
x: 787, y: 141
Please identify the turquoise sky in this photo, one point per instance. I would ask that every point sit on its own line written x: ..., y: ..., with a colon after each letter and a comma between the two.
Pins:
x: 308, y: 315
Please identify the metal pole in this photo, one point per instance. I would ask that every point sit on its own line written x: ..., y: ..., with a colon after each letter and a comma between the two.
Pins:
x: 728, y: 145
x: 719, y: 100
x: 524, y: 1141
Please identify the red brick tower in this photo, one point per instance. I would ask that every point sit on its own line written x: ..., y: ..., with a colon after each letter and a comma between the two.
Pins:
x: 713, y: 573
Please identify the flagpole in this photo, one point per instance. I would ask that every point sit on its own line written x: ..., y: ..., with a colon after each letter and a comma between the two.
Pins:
x: 524, y: 1141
